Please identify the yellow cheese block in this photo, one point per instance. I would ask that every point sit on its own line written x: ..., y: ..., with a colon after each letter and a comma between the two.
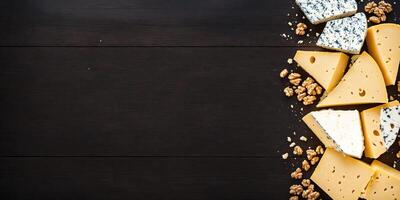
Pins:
x: 362, y: 84
x: 370, y: 118
x: 340, y: 176
x: 385, y: 184
x: 327, y: 68
x: 383, y: 43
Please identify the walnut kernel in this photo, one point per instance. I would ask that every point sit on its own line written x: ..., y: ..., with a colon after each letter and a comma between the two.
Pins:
x: 288, y: 91
x: 301, y: 29
x: 283, y: 73
x: 305, y: 165
x: 314, y: 160
x: 297, y: 150
x: 306, y: 182
x: 297, y: 174
x: 296, y: 189
x: 319, y: 150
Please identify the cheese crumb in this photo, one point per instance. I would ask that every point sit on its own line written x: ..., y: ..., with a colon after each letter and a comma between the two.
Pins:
x: 292, y: 144
x: 285, y: 156
x: 290, y: 61
x: 302, y: 138
x: 289, y: 139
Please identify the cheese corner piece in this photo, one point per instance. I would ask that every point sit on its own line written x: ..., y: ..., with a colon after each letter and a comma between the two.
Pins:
x: 374, y: 142
x: 383, y: 43
x: 384, y: 184
x: 362, y: 84
x: 346, y: 34
x: 340, y: 176
x: 338, y: 129
x: 319, y: 11
x: 327, y: 68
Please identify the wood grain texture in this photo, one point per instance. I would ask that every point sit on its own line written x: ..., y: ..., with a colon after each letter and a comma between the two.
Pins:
x: 154, y: 23
x: 143, y: 101
x: 142, y: 178
x: 148, y: 99
x: 146, y: 23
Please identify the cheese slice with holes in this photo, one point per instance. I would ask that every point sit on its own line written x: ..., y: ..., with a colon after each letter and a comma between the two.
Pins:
x: 362, y: 84
x: 371, y: 121
x: 341, y: 176
x: 338, y: 129
x: 383, y: 43
x: 327, y: 68
x: 384, y: 184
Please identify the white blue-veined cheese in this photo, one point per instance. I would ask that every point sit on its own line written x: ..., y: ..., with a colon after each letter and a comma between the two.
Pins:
x: 318, y: 11
x: 390, y: 124
x: 343, y: 129
x: 347, y: 34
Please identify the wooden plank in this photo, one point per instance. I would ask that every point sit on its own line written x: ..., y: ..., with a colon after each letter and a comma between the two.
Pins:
x: 144, y: 101
x: 146, y: 23
x: 153, y: 23
x: 143, y: 178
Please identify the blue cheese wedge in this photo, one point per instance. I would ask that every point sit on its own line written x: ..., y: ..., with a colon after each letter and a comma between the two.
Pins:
x: 338, y: 129
x: 319, y: 11
x: 390, y: 124
x: 346, y: 35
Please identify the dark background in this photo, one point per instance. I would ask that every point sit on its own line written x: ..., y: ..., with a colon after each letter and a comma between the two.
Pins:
x: 148, y: 99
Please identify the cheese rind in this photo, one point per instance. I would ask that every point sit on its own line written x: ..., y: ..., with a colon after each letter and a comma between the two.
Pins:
x: 338, y: 129
x: 384, y: 184
x: 327, y: 68
x: 340, y: 176
x: 319, y: 11
x: 347, y: 34
x: 362, y: 84
x: 390, y: 124
x: 383, y: 43
x: 370, y: 118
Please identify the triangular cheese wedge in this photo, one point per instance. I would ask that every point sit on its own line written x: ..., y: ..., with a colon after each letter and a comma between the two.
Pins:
x: 384, y: 184
x: 383, y: 43
x: 327, y: 68
x: 362, y: 84
x: 338, y: 129
x: 371, y: 121
x: 390, y: 124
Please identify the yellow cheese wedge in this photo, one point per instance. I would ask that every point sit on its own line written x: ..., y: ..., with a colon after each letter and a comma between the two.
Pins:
x: 340, y: 176
x: 370, y: 118
x: 327, y: 68
x: 383, y: 43
x: 362, y: 84
x: 385, y: 184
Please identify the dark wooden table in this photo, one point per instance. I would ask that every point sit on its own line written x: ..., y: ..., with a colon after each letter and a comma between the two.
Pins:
x: 147, y: 99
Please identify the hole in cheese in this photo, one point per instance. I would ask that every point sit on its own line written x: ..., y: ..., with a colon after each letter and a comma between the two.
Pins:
x: 376, y: 132
x: 361, y: 92
x: 312, y: 59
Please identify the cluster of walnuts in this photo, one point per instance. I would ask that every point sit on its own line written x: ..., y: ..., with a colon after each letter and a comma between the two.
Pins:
x: 379, y: 10
x: 306, y: 188
x: 306, y: 91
